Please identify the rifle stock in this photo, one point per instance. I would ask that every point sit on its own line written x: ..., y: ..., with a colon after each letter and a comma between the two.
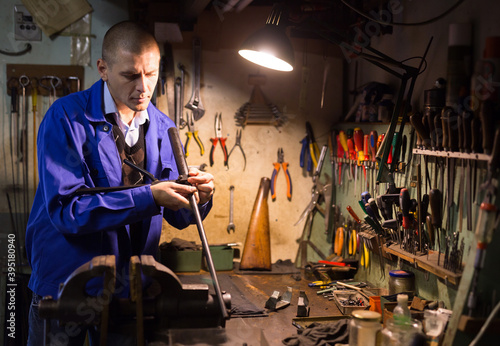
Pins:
x: 257, y: 251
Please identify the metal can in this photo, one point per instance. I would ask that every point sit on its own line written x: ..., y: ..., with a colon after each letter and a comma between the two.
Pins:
x: 401, y: 281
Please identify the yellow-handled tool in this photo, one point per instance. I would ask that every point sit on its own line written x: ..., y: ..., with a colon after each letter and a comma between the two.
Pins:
x: 192, y: 133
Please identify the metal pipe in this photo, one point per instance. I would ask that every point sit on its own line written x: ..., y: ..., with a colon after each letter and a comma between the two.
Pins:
x: 182, y: 167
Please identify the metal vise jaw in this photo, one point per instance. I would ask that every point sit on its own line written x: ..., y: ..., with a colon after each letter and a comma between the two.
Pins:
x: 173, y: 306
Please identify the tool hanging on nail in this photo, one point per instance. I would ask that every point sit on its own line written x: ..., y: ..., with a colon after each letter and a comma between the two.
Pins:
x: 167, y: 78
x: 231, y: 226
x: 345, y: 151
x: 51, y: 83
x: 237, y: 143
x: 218, y: 137
x: 277, y: 165
x: 34, y: 105
x: 194, y: 103
x: 436, y: 204
x: 192, y: 133
x: 24, y: 81
x: 309, y: 152
x: 180, y: 123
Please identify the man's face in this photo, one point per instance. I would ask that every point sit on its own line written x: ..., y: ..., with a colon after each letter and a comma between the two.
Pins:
x: 131, y: 79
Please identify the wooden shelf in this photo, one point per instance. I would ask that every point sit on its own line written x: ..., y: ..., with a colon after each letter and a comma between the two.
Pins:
x: 452, y: 154
x: 426, y: 262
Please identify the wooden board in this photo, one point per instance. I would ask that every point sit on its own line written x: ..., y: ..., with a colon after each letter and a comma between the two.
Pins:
x: 70, y: 77
x: 428, y: 263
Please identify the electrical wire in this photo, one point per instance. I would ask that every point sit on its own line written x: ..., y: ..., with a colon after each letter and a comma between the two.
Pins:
x: 445, y: 13
x: 485, y: 325
x: 26, y: 49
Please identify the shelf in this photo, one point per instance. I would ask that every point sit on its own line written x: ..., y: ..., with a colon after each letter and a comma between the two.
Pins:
x: 426, y: 262
x: 452, y: 154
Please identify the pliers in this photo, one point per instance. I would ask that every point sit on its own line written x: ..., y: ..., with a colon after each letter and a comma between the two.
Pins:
x: 281, y: 158
x: 310, y: 149
x: 192, y: 133
x: 237, y: 143
x: 218, y: 137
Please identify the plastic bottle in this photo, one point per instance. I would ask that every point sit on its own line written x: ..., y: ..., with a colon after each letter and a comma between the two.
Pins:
x: 401, y: 313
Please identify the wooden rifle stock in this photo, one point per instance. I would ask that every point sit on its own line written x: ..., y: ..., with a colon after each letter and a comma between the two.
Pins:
x: 257, y: 251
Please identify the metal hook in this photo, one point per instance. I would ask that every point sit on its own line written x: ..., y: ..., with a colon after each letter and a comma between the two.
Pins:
x: 58, y: 82
x: 24, y: 81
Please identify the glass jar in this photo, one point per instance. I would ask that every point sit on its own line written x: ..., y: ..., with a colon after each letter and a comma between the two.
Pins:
x: 396, y: 334
x: 401, y: 281
x: 364, y: 327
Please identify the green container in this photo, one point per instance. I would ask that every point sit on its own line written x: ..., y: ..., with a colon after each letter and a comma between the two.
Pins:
x: 222, y: 256
x: 182, y: 261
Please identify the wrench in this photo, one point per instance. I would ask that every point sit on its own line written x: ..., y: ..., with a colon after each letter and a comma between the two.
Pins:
x: 180, y: 123
x: 194, y: 103
x: 230, y: 226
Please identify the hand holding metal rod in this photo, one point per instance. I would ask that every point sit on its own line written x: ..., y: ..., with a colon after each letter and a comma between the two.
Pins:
x: 182, y: 167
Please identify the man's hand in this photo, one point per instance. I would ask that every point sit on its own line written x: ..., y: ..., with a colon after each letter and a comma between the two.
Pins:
x: 204, y: 183
x: 175, y: 196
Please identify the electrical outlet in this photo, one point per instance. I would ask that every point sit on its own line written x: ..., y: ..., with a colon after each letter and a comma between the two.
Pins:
x: 25, y: 29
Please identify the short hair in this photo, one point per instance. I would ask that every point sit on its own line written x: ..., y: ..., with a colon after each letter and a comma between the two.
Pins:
x: 128, y: 36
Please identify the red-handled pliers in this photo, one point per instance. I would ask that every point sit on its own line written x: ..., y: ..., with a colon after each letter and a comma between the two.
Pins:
x: 281, y: 159
x: 218, y: 137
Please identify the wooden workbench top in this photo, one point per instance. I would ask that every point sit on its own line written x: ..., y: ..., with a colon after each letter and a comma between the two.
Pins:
x: 278, y: 324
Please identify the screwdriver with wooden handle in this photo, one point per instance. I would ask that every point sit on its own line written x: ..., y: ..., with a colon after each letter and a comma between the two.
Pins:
x: 436, y: 204
x: 423, y: 133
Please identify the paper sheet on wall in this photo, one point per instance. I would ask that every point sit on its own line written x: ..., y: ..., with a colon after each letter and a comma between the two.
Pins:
x: 54, y: 15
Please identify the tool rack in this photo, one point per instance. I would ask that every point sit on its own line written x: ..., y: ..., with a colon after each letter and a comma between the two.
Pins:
x: 452, y: 154
x: 425, y: 262
x: 74, y: 75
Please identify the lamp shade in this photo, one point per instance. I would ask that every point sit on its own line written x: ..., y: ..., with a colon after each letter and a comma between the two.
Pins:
x: 269, y: 47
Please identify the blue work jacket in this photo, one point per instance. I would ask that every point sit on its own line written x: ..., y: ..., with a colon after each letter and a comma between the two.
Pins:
x: 76, y: 150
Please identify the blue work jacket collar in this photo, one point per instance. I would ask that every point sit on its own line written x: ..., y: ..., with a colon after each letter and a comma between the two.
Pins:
x: 94, y: 112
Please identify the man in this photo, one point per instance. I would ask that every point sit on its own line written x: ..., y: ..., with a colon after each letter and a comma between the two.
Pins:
x: 82, y: 143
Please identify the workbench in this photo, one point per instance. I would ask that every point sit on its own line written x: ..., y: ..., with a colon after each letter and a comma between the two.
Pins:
x: 277, y: 325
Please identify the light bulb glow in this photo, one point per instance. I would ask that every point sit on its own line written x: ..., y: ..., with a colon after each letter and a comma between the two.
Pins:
x: 265, y: 59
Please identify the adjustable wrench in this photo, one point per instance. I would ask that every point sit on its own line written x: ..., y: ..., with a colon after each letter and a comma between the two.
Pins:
x: 179, y: 99
x: 230, y: 226
x: 195, y: 102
